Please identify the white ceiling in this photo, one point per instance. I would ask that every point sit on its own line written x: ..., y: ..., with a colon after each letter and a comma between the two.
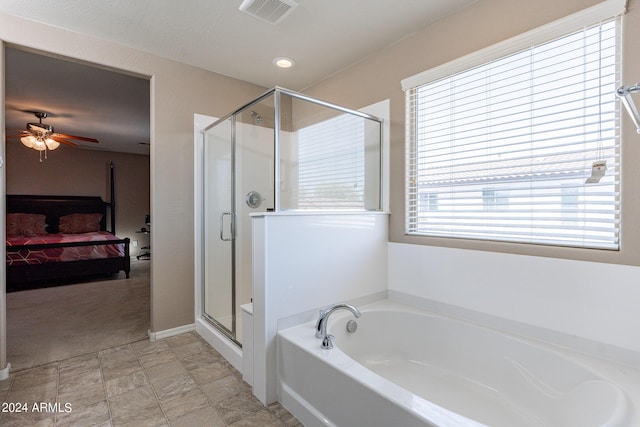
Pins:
x: 323, y: 37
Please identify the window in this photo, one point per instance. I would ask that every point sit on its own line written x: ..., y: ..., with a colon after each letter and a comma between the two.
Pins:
x: 493, y: 200
x: 429, y: 201
x: 332, y: 164
x: 505, y: 145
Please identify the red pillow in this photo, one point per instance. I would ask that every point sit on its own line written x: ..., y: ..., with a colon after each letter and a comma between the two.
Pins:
x: 23, y: 224
x: 13, y: 224
x: 80, y: 223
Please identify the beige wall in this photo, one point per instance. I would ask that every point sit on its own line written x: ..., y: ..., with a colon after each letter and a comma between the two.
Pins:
x: 177, y: 92
x: 89, y: 176
x: 485, y: 23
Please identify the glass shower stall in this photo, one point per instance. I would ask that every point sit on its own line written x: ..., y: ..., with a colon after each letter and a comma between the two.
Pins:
x: 283, y: 151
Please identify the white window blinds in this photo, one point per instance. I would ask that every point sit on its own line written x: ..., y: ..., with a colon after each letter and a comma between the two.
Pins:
x: 331, y: 164
x: 502, y: 150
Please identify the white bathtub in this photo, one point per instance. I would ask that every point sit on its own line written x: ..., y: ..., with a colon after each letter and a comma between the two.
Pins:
x: 404, y: 367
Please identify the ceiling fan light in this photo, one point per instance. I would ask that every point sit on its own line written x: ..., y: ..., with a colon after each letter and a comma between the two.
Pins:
x: 39, y: 145
x: 51, y: 144
x: 28, y: 141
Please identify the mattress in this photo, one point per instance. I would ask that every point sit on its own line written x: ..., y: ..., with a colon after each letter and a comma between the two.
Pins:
x: 63, y: 254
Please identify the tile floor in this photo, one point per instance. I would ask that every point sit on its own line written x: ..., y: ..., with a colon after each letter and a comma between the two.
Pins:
x: 177, y: 381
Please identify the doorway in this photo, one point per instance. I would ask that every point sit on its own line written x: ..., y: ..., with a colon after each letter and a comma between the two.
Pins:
x: 81, y: 99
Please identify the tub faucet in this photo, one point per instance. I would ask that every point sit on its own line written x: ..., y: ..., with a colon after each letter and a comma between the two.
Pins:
x: 323, y: 319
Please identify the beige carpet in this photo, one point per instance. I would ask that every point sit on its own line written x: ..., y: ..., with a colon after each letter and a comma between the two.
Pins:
x: 45, y: 325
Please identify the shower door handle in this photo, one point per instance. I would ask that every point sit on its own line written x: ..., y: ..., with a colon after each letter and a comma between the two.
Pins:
x: 232, y: 226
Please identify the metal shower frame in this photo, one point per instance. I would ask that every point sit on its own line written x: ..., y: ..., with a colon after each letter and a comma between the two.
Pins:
x: 277, y: 92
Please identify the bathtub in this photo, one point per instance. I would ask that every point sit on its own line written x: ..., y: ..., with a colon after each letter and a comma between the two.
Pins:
x: 405, y: 367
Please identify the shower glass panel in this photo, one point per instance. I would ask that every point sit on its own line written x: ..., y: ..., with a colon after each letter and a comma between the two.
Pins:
x: 322, y: 157
x: 330, y: 157
x: 219, y: 226
x: 238, y: 181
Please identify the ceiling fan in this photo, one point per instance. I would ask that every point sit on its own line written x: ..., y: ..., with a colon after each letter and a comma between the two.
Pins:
x: 41, y: 137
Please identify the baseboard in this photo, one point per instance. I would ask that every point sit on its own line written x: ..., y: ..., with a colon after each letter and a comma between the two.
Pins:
x: 153, y: 336
x: 4, y: 373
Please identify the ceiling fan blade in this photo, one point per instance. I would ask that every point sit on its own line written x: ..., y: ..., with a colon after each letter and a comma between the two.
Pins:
x: 79, y: 138
x: 31, y: 111
x: 20, y: 135
x: 57, y: 138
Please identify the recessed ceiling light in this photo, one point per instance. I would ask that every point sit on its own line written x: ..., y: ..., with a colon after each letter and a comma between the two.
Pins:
x: 284, y: 62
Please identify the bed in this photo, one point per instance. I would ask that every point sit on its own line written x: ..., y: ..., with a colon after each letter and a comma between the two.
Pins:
x: 52, y: 239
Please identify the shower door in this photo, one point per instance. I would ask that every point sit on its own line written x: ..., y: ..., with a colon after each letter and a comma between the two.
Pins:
x: 219, y: 228
x: 238, y: 181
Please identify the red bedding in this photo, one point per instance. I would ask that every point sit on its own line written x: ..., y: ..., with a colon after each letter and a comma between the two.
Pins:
x: 41, y: 256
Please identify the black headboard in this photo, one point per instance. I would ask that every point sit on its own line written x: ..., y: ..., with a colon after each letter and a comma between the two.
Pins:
x: 56, y: 206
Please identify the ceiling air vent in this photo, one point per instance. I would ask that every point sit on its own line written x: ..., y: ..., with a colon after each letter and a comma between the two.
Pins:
x: 271, y: 11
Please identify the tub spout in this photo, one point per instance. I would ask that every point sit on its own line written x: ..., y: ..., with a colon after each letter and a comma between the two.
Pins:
x: 323, y: 319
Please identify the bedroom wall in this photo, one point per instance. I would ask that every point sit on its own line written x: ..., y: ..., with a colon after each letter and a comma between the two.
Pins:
x: 89, y: 176
x: 177, y: 92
